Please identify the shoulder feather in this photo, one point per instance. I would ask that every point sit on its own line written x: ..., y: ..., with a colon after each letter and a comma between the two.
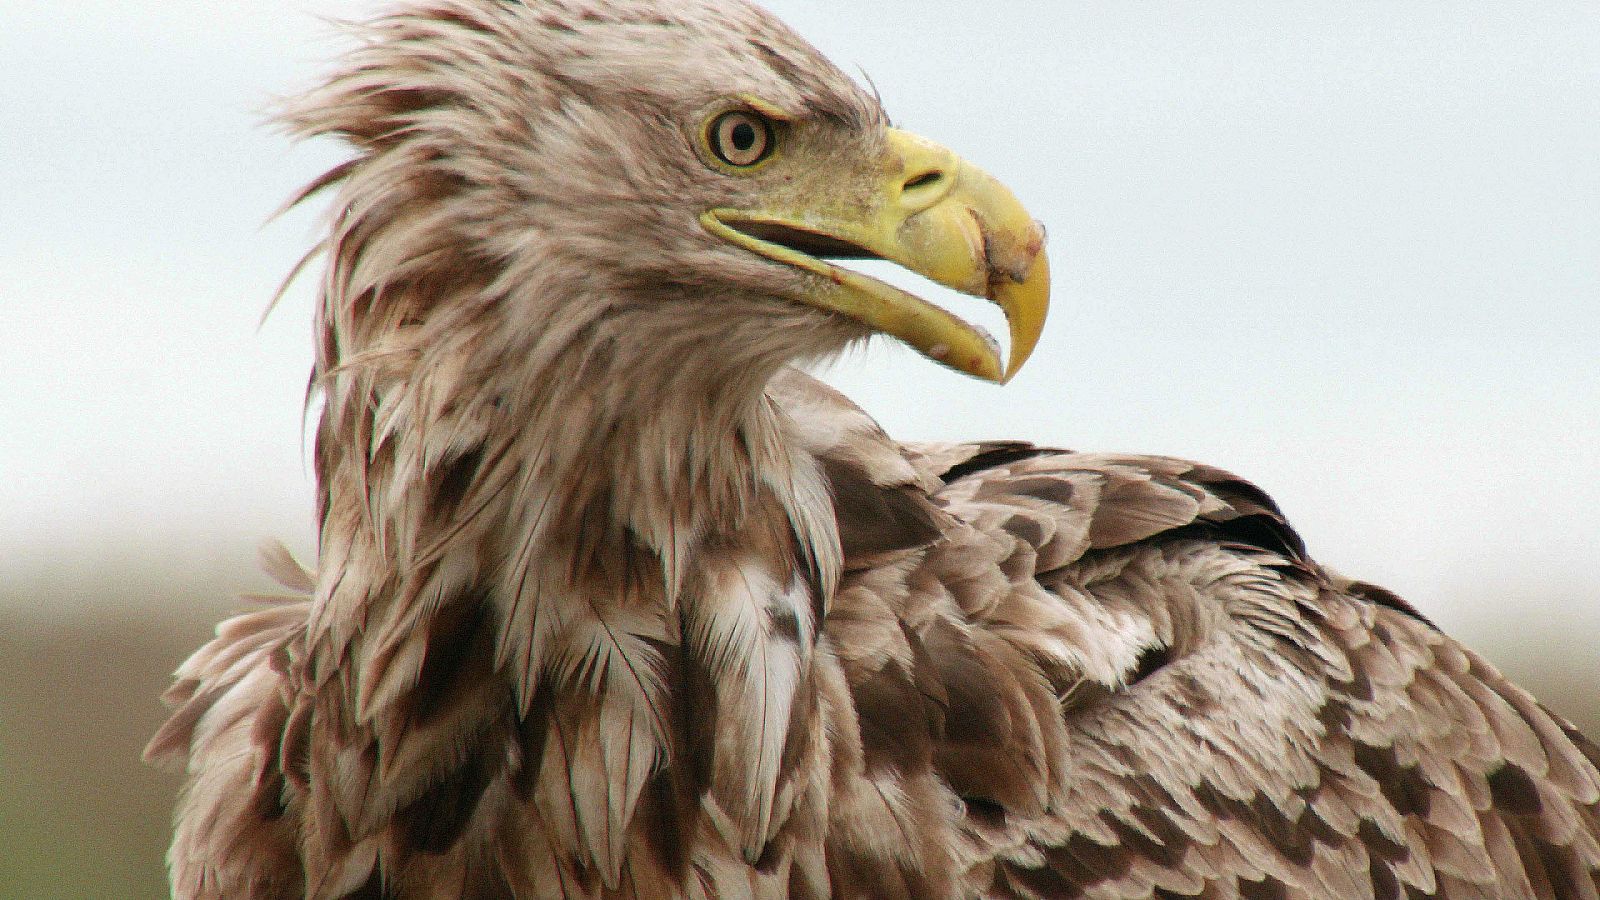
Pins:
x: 1131, y: 679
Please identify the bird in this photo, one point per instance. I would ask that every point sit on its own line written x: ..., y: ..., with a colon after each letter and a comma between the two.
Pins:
x: 612, y: 600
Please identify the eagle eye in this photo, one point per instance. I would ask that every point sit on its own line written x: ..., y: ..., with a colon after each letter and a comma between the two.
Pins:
x: 741, y: 138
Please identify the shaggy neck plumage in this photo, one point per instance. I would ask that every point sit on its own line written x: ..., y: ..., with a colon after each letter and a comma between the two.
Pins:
x: 656, y: 431
x: 626, y: 417
x: 606, y: 511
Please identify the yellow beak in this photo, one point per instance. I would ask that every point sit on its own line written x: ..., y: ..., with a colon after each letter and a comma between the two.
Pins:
x: 932, y: 213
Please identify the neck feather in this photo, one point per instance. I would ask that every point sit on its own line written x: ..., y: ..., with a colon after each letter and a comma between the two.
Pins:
x: 578, y: 514
x: 477, y: 446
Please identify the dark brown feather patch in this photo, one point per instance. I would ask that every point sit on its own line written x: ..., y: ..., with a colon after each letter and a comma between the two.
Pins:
x: 875, y: 519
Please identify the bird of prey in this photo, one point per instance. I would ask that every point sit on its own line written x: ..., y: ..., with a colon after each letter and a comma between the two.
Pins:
x: 613, y: 602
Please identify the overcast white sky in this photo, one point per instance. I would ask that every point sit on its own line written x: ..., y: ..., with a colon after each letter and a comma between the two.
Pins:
x: 1350, y: 250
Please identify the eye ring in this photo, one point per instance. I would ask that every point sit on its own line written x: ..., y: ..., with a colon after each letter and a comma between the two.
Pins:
x: 741, y: 138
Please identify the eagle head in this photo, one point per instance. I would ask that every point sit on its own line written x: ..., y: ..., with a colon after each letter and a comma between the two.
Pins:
x: 681, y: 176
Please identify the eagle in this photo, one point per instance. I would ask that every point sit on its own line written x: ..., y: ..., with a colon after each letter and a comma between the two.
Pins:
x: 612, y: 601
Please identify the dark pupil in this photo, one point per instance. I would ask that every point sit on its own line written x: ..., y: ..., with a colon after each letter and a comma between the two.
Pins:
x: 744, y: 136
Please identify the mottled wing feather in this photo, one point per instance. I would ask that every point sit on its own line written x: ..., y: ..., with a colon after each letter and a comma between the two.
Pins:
x: 1136, y: 684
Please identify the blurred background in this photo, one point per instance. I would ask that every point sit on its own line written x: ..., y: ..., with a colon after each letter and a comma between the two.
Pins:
x: 1350, y: 251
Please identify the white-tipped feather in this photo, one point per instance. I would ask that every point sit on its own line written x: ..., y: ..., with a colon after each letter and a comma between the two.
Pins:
x: 756, y: 672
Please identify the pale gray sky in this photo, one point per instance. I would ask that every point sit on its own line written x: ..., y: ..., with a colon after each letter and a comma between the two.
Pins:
x: 1349, y: 250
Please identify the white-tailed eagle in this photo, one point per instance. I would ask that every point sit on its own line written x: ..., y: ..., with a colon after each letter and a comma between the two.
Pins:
x: 614, y: 603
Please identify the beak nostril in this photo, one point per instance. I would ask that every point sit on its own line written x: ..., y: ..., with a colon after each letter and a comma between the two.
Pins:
x: 926, y: 179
